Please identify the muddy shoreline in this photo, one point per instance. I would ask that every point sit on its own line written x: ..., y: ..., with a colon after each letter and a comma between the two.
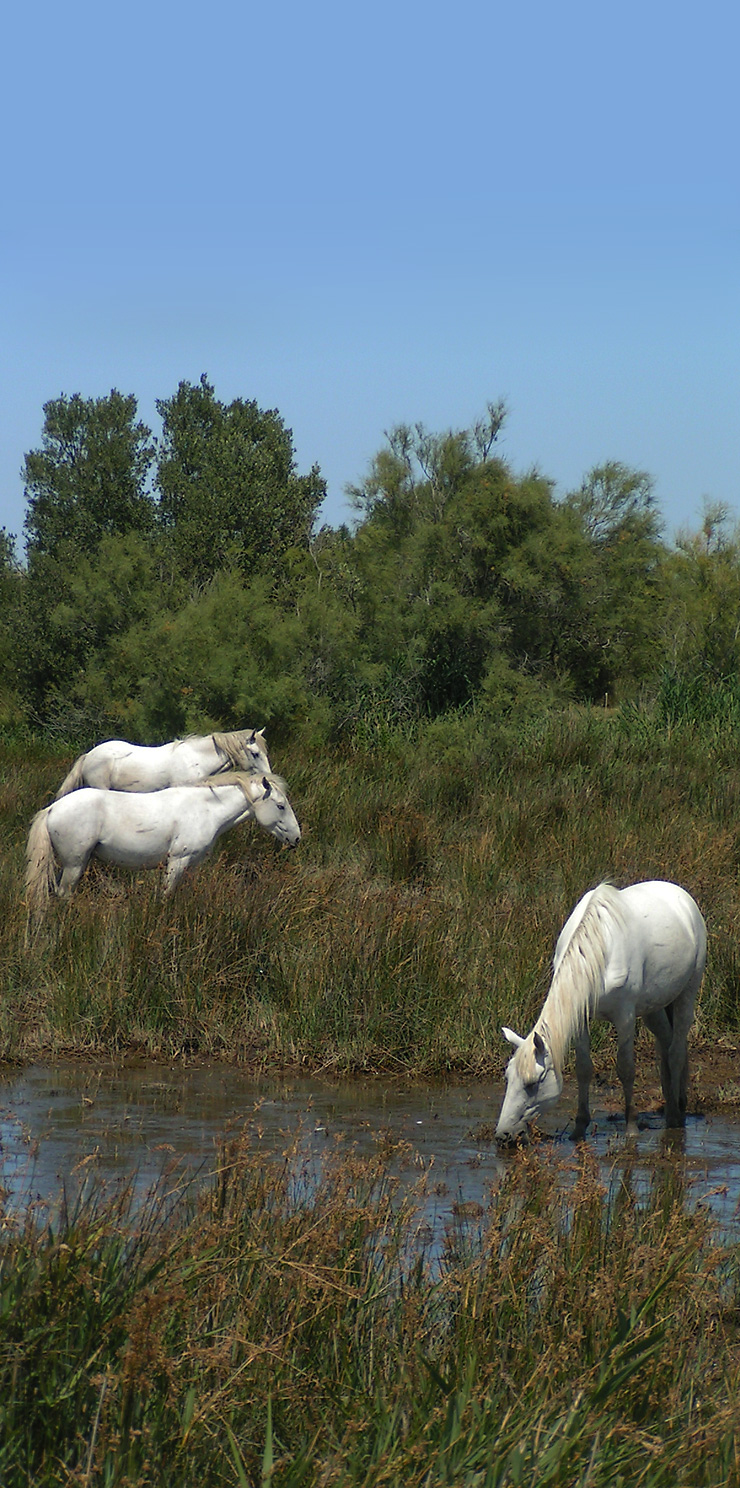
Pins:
x: 714, y: 1074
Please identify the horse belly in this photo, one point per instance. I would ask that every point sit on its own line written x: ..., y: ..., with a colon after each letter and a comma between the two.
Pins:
x: 127, y: 840
x: 130, y: 854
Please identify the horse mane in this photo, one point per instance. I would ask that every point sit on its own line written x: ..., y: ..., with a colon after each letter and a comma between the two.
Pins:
x: 578, y: 980
x: 243, y: 778
x: 232, y: 745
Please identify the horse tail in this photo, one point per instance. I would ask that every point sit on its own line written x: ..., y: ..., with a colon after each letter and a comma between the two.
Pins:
x: 74, y: 780
x: 41, y: 874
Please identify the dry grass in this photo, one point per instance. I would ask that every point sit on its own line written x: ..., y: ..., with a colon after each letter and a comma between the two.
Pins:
x: 287, y: 1327
x: 419, y: 912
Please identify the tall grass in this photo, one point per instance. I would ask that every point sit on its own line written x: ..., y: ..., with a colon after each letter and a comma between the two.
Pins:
x: 419, y: 912
x: 280, y: 1329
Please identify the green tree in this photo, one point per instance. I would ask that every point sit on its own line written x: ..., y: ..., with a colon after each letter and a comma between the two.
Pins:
x: 88, y: 480
x: 702, y: 608
x: 11, y: 593
x: 465, y: 567
x: 619, y: 608
x: 229, y: 492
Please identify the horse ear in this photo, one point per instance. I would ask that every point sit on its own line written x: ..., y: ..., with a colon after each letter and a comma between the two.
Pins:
x: 540, y: 1050
x: 512, y: 1037
x: 267, y: 785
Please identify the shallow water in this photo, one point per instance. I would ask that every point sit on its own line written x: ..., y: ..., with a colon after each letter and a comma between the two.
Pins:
x: 59, y: 1123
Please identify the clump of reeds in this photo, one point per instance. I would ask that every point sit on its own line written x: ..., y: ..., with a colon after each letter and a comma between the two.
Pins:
x: 290, y: 1325
x: 418, y: 914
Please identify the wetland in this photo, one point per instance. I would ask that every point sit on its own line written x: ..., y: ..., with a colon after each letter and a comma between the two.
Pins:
x: 254, y: 1227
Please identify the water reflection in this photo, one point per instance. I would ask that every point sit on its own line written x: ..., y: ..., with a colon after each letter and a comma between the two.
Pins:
x: 59, y: 1123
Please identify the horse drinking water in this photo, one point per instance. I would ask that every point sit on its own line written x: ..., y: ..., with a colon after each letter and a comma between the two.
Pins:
x: 118, y: 765
x: 622, y: 954
x: 177, y: 826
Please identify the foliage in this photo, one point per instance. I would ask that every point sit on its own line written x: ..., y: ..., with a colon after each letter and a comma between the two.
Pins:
x: 11, y: 590
x: 229, y: 492
x: 622, y: 586
x: 703, y: 601
x: 463, y: 586
x: 89, y: 478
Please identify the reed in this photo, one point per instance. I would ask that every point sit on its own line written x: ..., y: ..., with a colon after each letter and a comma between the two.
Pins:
x: 418, y: 914
x: 286, y: 1325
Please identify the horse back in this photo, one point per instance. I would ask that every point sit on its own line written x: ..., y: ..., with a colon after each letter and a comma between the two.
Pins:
x: 120, y: 766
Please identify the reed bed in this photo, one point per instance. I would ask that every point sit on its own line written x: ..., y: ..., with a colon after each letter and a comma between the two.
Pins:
x: 419, y: 912
x: 280, y: 1327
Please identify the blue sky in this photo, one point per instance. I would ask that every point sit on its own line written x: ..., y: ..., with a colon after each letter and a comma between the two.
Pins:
x: 368, y: 215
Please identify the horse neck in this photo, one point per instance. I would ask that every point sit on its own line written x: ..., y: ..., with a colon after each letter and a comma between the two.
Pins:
x: 576, y: 985
x: 231, y: 802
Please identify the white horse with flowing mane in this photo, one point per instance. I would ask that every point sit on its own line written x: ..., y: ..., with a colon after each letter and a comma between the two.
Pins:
x: 118, y: 765
x: 176, y: 826
x: 622, y: 954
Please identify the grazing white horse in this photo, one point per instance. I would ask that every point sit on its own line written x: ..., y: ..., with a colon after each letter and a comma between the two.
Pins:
x: 622, y: 954
x: 176, y: 826
x: 118, y: 765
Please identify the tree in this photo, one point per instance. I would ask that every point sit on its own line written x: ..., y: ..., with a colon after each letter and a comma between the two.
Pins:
x: 703, y: 600
x: 229, y: 492
x: 88, y: 480
x: 621, y: 588
x: 11, y: 582
x: 418, y: 472
x: 460, y: 566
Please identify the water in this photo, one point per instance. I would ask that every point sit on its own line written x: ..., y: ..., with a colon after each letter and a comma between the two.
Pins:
x: 59, y: 1123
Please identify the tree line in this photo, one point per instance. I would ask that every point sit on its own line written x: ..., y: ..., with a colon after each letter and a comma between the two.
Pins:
x: 181, y: 583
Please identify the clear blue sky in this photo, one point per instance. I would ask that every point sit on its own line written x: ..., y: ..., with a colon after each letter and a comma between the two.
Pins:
x: 363, y: 215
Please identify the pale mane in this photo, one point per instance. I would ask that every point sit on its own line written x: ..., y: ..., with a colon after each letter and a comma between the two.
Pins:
x: 233, y: 745
x: 578, y: 980
x: 243, y: 778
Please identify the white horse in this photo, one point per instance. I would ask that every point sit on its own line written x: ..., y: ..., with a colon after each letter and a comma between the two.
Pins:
x: 622, y: 954
x: 177, y: 826
x: 118, y: 765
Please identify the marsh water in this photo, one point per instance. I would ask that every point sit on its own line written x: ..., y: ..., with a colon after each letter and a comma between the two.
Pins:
x: 60, y: 1123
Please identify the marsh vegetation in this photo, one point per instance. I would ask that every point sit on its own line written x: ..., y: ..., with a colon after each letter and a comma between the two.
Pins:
x: 274, y: 1330
x: 419, y: 913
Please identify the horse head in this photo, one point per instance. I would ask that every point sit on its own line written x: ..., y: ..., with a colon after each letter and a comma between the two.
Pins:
x: 255, y: 752
x: 272, y: 809
x: 532, y: 1084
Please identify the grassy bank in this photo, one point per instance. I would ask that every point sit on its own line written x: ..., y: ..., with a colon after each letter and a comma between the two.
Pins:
x: 273, y: 1331
x: 419, y: 912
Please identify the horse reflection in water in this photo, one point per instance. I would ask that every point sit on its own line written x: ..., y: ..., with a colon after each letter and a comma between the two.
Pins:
x: 622, y: 954
x: 177, y: 827
x: 118, y: 765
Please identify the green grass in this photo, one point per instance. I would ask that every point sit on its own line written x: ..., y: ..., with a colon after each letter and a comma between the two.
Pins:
x: 279, y: 1331
x: 420, y: 911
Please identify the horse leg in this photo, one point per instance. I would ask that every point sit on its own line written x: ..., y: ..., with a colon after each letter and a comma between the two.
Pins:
x: 70, y: 877
x: 626, y: 1067
x: 659, y: 1023
x: 584, y: 1074
x: 174, y: 869
x: 681, y: 1017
